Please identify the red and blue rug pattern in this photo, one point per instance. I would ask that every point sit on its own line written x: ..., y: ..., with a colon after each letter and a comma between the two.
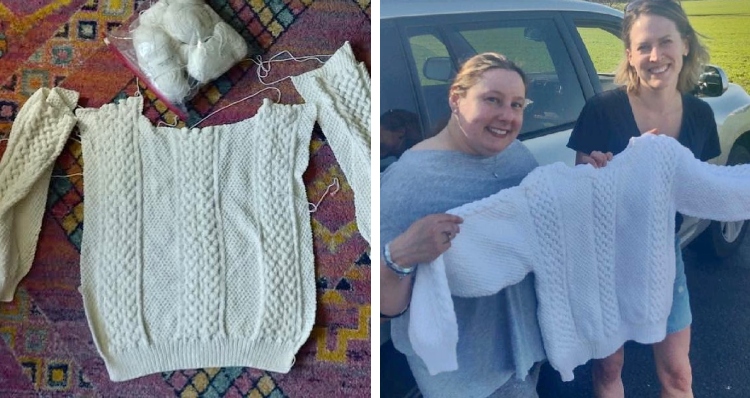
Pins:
x: 46, y: 347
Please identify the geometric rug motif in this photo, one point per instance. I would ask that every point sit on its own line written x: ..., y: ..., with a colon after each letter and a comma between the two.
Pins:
x: 45, y: 345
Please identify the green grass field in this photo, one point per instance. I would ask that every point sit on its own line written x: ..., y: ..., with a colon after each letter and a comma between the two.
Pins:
x: 725, y: 25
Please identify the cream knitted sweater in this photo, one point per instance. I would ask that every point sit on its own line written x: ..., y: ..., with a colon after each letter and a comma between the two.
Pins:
x: 197, y: 249
x: 600, y: 242
x: 342, y: 87
x: 37, y: 137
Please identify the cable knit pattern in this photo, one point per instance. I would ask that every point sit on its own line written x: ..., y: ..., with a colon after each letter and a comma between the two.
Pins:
x: 600, y: 241
x: 342, y: 88
x: 200, y: 250
x: 37, y: 137
x: 119, y: 266
x: 604, y: 239
x: 552, y: 271
x: 280, y: 252
x: 197, y: 250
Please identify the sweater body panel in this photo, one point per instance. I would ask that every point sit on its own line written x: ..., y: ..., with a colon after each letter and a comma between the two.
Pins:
x: 211, y: 250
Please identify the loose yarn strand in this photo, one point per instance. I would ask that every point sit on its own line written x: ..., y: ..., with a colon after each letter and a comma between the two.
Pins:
x: 174, y: 122
x: 237, y: 102
x: 313, y: 207
x: 264, y: 67
x: 68, y: 175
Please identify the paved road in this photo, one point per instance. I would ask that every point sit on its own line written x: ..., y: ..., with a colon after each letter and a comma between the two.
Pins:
x: 720, y: 348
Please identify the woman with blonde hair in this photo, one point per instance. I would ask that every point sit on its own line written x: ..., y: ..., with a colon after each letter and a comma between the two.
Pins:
x: 663, y: 60
x: 474, y: 156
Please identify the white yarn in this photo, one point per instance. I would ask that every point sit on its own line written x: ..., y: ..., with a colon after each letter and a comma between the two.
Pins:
x: 153, y: 15
x: 157, y: 58
x: 264, y: 67
x: 179, y: 39
x: 210, y: 59
x: 211, y: 13
x: 188, y: 23
x: 152, y: 44
x: 184, y: 52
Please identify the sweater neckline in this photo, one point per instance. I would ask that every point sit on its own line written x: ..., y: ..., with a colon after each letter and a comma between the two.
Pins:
x: 266, y: 106
x: 634, y: 123
x: 483, y: 164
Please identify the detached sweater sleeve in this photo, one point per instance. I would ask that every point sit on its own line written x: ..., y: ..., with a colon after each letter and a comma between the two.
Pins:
x: 37, y: 137
x: 493, y: 251
x: 712, y: 192
x: 341, y: 90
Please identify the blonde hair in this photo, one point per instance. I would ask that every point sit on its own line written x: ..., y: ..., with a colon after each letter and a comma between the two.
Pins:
x: 692, y: 65
x: 473, y: 69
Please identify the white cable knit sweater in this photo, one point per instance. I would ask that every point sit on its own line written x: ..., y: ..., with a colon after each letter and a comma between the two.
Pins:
x: 342, y: 87
x: 600, y: 241
x: 37, y: 138
x: 197, y: 247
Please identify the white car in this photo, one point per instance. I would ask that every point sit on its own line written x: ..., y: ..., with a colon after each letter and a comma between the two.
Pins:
x: 569, y: 50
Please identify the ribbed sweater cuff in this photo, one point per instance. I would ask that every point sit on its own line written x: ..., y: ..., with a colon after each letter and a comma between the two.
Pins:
x: 141, y: 361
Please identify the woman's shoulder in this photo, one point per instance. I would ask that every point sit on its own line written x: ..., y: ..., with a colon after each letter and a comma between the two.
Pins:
x: 692, y: 104
x: 412, y: 164
x: 603, y: 104
x: 518, y: 153
x: 615, y: 96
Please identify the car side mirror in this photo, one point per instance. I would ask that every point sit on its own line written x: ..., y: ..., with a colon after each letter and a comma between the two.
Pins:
x: 713, y: 82
x: 438, y: 68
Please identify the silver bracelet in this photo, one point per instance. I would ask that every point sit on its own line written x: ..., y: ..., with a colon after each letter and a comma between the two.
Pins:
x: 399, y: 270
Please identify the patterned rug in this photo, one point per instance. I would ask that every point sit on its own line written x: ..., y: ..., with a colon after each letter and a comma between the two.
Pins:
x: 46, y: 347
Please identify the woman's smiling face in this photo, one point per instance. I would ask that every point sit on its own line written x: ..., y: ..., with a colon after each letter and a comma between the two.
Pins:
x: 656, y: 51
x: 490, y: 114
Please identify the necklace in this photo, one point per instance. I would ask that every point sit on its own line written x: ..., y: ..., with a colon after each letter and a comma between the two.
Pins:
x: 494, y: 167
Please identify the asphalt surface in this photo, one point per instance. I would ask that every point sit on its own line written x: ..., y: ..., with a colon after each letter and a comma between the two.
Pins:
x: 720, y: 345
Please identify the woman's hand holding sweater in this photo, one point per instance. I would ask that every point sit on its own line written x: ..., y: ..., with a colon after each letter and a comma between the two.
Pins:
x: 425, y: 240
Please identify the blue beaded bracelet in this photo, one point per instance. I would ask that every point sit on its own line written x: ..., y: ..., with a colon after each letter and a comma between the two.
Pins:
x: 399, y: 270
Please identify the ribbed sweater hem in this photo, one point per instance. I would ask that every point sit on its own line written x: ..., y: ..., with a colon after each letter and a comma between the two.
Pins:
x: 164, y: 357
x: 580, y: 353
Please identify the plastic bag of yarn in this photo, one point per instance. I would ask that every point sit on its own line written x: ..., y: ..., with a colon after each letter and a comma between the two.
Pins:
x: 175, y: 47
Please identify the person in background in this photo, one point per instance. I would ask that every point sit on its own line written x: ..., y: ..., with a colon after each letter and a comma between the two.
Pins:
x: 477, y: 154
x: 399, y: 131
x: 663, y: 60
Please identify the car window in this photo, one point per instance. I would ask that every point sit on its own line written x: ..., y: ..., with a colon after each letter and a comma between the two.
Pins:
x: 400, y: 121
x: 424, y: 47
x: 605, y: 49
x: 531, y: 55
x: 435, y: 51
